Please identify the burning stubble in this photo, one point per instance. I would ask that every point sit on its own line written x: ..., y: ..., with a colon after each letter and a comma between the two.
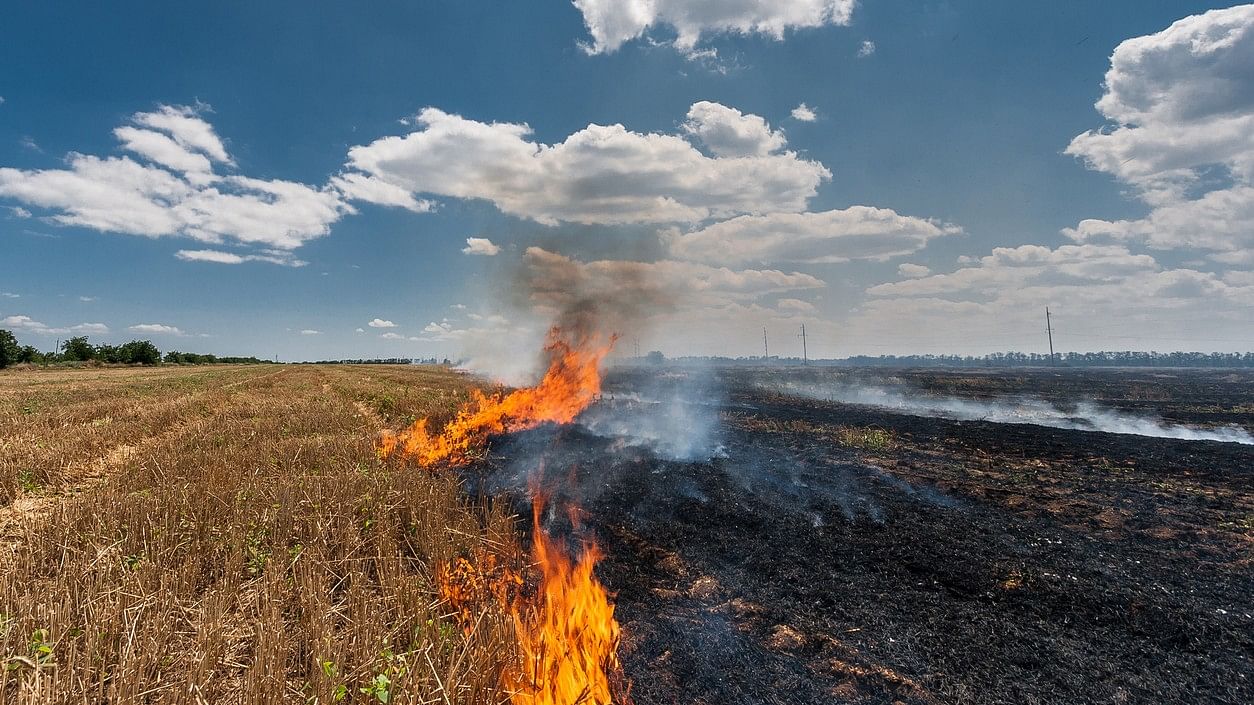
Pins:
x: 566, y: 633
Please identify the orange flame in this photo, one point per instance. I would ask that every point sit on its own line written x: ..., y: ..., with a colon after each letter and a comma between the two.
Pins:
x: 569, y: 638
x: 567, y: 635
x: 571, y: 383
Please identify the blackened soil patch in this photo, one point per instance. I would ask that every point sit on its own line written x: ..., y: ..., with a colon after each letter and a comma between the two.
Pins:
x: 931, y: 561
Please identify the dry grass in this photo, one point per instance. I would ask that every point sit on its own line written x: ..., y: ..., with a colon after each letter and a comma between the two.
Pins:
x: 229, y: 536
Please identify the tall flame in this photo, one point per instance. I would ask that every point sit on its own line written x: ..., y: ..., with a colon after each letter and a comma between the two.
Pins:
x: 571, y: 383
x: 567, y: 635
x: 569, y: 638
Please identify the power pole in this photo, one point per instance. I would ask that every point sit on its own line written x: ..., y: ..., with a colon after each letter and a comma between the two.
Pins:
x: 805, y: 357
x: 1049, y: 330
x: 636, y: 342
x: 766, y: 350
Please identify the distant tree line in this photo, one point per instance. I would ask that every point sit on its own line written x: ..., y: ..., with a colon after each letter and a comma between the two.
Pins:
x: 384, y: 361
x: 80, y: 349
x: 1123, y: 358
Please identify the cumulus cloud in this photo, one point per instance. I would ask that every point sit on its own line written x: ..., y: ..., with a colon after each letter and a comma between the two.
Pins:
x: 156, y: 329
x: 795, y: 306
x: 173, y: 189
x: 381, y: 323
x: 360, y: 187
x: 481, y: 246
x: 804, y: 113
x: 19, y: 212
x: 30, y: 325
x: 913, y: 271
x: 600, y: 174
x: 727, y: 132
x: 1182, y: 106
x: 615, y: 22
x: 866, y: 49
x: 858, y: 232
x: 310, y: 331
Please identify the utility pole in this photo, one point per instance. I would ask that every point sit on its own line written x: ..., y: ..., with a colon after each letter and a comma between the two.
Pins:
x: 1049, y: 330
x: 636, y: 342
x: 766, y: 350
x: 805, y: 356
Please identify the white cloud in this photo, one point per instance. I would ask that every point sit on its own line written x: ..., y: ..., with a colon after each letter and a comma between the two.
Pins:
x: 398, y: 336
x: 173, y: 190
x: 804, y: 113
x: 1102, y: 297
x: 1182, y: 104
x: 858, y: 232
x: 164, y: 150
x: 727, y: 132
x: 913, y: 271
x: 19, y: 212
x: 359, y: 330
x: 10, y: 295
x: 380, y: 323
x: 1027, y: 266
x: 481, y: 246
x: 795, y: 305
x: 614, y: 22
x: 310, y: 331
x: 30, y: 325
x: 360, y: 187
x: 220, y: 257
x: 600, y: 174
x: 88, y: 299
x: 156, y: 329
x: 866, y: 49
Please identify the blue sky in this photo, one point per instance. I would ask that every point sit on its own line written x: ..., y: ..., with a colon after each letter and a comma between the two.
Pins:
x: 932, y: 204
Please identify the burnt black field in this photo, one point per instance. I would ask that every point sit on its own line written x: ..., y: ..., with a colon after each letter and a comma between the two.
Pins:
x: 810, y: 550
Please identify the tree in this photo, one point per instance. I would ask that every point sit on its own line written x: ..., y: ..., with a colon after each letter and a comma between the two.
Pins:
x: 655, y: 357
x: 139, y: 352
x: 77, y: 349
x: 10, y: 353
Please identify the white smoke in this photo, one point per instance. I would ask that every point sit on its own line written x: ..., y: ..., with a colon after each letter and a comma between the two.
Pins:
x: 674, y: 415
x: 1086, y: 416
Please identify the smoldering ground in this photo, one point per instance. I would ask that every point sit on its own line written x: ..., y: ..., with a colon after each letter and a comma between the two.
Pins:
x: 970, y: 561
x: 1079, y: 414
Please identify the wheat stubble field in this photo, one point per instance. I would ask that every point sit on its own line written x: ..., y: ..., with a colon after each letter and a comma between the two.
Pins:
x: 229, y: 534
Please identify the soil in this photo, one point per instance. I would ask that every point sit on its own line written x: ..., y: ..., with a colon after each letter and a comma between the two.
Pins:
x: 823, y: 552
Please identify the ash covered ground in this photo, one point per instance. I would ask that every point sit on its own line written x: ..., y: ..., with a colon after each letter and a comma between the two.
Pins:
x: 825, y: 535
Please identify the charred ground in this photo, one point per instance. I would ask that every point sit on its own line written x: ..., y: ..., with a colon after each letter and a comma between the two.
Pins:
x: 824, y: 552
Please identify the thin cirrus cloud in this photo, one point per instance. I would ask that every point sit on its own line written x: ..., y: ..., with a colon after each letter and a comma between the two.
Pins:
x: 222, y: 257
x: 1182, y: 105
x: 612, y: 23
